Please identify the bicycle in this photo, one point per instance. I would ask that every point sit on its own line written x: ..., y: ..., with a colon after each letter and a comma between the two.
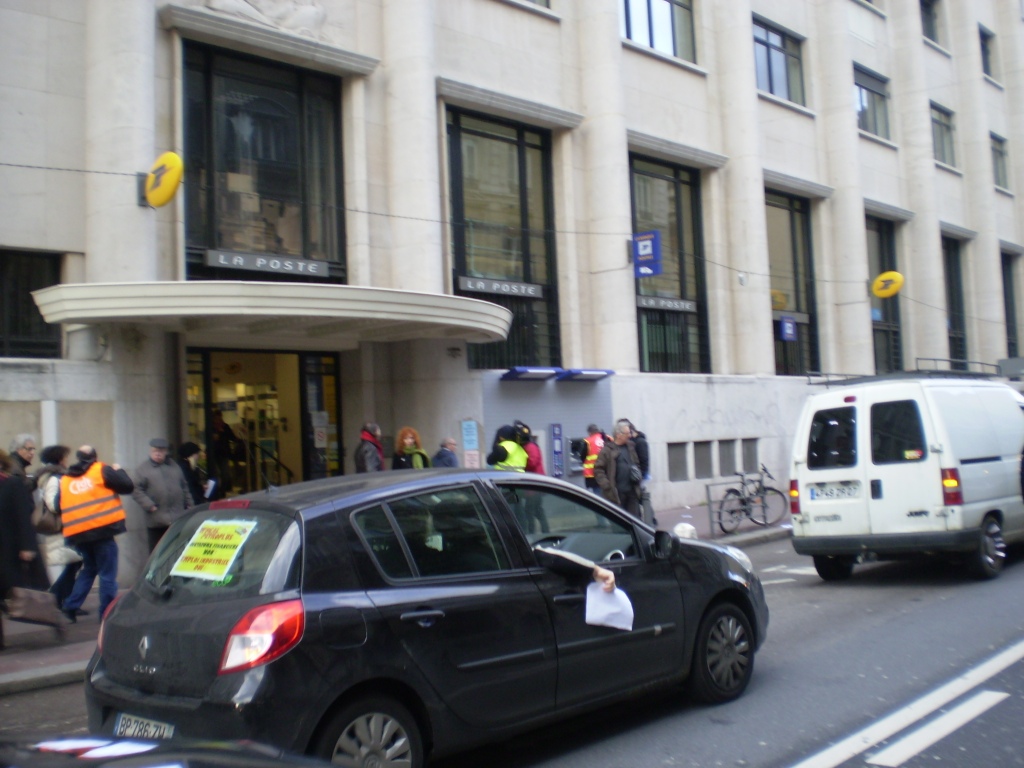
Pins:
x: 762, y: 504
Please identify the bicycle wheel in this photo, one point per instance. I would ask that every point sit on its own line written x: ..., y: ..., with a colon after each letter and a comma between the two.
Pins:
x: 766, y: 508
x: 731, y: 510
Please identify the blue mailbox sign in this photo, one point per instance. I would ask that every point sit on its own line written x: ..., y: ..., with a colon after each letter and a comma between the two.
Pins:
x: 787, y: 326
x: 646, y: 254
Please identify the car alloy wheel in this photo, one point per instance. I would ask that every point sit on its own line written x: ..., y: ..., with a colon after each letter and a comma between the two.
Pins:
x: 375, y: 732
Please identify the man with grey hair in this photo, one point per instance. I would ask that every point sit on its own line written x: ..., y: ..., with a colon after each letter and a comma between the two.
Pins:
x: 617, y: 470
x: 23, y: 453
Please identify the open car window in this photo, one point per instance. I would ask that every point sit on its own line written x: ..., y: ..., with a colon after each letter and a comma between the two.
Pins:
x: 440, y: 533
x: 561, y: 520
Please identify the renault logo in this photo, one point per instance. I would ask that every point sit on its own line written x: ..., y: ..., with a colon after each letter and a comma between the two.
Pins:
x: 144, y: 646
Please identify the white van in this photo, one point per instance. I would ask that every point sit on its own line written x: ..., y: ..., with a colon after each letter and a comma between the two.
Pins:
x: 889, y: 466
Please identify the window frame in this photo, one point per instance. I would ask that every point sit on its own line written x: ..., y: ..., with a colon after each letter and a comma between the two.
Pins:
x: 871, y: 95
x: 789, y: 47
x: 956, y: 319
x: 687, y: 51
x: 943, y: 135
x: 1000, y: 161
x: 987, y: 41
x: 902, y: 434
x: 931, y: 20
x: 1009, y: 262
x: 23, y: 331
x: 887, y: 333
x: 691, y: 355
x: 211, y: 62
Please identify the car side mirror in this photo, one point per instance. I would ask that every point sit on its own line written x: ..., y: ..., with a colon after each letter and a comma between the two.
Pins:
x: 665, y: 545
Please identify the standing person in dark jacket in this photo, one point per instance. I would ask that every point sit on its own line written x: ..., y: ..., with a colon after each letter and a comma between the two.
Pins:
x: 161, y: 491
x: 91, y: 511
x: 369, y: 453
x: 445, y: 456
x: 188, y: 454
x: 409, y: 453
x: 643, y: 454
x: 20, y: 562
x: 23, y: 451
x: 617, y: 470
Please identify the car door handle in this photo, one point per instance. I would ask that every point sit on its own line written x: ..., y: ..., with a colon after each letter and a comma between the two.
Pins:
x: 425, y: 618
x: 569, y: 598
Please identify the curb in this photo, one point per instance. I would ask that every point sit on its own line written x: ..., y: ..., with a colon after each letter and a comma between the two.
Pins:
x: 34, y: 679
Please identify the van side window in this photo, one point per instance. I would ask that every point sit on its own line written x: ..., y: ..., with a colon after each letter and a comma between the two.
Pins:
x: 833, y: 440
x: 896, y: 433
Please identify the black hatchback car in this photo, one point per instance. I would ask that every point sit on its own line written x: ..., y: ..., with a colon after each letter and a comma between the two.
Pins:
x: 382, y: 619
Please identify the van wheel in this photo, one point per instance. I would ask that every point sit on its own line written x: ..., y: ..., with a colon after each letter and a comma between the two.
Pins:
x: 834, y: 567
x: 372, y: 732
x: 991, y: 554
x: 723, y: 659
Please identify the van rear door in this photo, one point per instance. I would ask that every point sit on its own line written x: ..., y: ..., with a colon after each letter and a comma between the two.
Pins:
x: 830, y: 468
x: 904, y: 474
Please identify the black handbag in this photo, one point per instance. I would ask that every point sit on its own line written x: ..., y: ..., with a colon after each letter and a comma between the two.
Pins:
x: 45, y: 520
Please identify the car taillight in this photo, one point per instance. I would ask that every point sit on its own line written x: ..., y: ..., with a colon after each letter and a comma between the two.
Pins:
x: 262, y: 635
x: 794, y: 497
x: 952, y: 493
x: 103, y: 622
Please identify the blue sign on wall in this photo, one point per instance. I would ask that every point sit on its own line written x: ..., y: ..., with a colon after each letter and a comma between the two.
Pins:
x: 787, y: 326
x: 647, y: 254
x: 557, y: 451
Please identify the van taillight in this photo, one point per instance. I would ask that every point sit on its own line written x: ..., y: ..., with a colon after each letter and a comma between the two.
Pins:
x: 262, y: 635
x: 952, y: 493
x: 794, y: 497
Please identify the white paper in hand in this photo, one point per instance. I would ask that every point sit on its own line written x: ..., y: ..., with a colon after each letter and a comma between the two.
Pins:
x: 608, y: 609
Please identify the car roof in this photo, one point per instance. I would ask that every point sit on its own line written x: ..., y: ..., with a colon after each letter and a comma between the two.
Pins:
x: 304, y: 495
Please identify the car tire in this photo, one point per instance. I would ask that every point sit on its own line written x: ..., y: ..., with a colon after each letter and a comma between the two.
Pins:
x: 834, y: 567
x: 991, y: 553
x: 373, y: 731
x: 723, y: 656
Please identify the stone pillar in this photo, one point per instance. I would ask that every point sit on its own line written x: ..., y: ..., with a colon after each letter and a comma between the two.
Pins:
x: 980, y: 259
x: 413, y: 164
x: 120, y: 77
x: 923, y: 318
x: 606, y: 196
x: 1011, y: 61
x: 844, y: 307
x: 750, y: 335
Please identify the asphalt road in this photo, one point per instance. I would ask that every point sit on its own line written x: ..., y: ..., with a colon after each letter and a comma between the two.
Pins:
x: 888, y: 668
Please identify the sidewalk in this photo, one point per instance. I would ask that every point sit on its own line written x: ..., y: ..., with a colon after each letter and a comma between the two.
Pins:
x: 35, y: 658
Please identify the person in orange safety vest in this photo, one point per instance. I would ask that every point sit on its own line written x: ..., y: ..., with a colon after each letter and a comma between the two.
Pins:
x: 91, y: 511
x: 595, y: 442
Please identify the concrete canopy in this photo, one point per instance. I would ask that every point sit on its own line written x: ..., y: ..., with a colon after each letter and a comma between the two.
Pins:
x: 277, y: 314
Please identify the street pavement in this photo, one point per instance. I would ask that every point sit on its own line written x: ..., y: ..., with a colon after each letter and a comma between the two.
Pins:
x: 35, y: 657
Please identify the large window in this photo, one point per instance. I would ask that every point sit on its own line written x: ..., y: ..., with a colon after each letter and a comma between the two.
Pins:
x: 870, y: 93
x: 942, y: 135
x: 262, y: 163
x: 777, y: 58
x: 672, y: 316
x: 502, y: 233
x: 664, y: 25
x: 987, y: 40
x: 955, y: 320
x: 897, y: 434
x: 23, y: 332
x: 792, y: 283
x: 1000, y: 172
x: 885, y: 313
x: 1010, y: 303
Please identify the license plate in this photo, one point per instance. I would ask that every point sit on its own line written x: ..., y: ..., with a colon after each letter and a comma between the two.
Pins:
x: 141, y: 728
x: 835, y: 491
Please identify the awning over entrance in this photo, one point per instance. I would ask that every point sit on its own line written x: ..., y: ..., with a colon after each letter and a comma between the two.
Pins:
x: 277, y: 313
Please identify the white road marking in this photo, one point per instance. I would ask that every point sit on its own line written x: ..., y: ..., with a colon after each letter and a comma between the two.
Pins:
x: 897, y: 754
x: 924, y: 706
x: 766, y: 582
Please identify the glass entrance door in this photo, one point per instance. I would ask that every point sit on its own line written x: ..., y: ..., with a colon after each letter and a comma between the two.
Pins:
x: 264, y: 418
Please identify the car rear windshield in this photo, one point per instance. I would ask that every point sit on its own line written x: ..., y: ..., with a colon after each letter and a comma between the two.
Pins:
x: 833, y: 439
x: 227, y: 554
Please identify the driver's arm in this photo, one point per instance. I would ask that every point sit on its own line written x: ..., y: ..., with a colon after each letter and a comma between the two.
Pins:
x: 570, y: 564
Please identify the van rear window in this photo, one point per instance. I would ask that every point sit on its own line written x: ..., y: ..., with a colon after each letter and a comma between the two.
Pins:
x: 896, y: 433
x: 832, y: 441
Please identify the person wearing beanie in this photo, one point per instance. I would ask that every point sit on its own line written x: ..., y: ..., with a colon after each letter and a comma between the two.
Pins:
x: 188, y: 456
x: 161, y: 491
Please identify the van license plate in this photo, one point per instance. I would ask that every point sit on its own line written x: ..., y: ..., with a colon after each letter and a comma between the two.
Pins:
x: 835, y: 491
x: 141, y: 728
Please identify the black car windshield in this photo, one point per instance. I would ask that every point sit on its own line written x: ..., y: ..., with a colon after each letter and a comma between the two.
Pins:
x: 226, y: 554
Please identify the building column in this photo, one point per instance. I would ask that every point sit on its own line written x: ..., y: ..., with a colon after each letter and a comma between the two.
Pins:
x: 980, y: 260
x: 120, y: 235
x: 842, y: 263
x: 413, y: 163
x: 923, y: 300
x: 607, y: 218
x: 750, y: 335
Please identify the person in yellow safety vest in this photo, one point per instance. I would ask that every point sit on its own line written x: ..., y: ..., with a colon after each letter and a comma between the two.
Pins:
x: 507, y: 453
x: 595, y: 442
x: 91, y: 511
